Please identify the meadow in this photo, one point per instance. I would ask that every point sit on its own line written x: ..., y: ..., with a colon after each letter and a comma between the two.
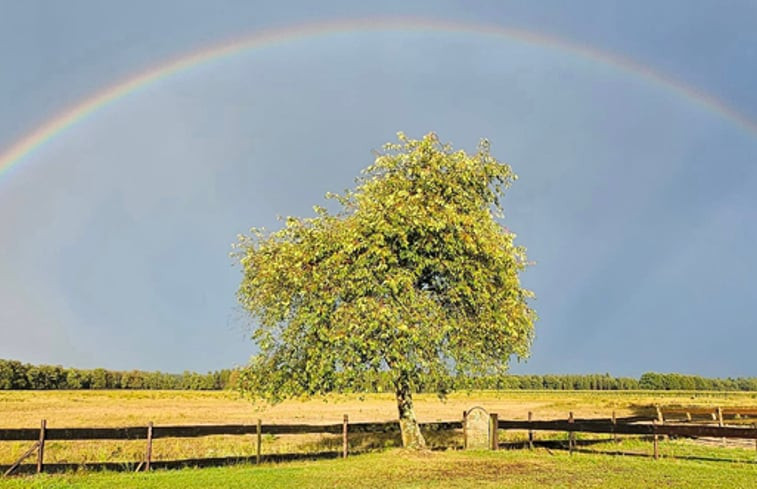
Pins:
x: 683, y: 461
x: 24, y: 409
x: 397, y: 468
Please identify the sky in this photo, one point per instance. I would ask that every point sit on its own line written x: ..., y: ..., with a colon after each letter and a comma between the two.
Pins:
x: 631, y: 126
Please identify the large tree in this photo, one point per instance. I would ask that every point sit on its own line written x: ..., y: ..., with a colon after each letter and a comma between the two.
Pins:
x: 413, y: 276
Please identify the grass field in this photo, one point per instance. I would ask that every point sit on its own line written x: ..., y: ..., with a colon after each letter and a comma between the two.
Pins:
x: 454, y: 469
x: 120, y: 408
x: 129, y: 408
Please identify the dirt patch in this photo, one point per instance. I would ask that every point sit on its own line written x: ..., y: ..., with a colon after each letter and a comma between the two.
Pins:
x: 437, y: 466
x: 482, y: 470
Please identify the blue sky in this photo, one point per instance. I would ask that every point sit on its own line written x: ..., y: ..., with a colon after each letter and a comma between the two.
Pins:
x: 635, y: 201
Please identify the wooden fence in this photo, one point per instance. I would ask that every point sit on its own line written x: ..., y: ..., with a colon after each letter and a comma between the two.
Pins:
x: 624, y: 426
x: 610, y: 427
x: 637, y: 425
x: 704, y: 414
x: 152, y: 432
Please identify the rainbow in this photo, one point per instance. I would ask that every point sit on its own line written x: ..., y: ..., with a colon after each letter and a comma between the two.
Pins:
x: 21, y: 149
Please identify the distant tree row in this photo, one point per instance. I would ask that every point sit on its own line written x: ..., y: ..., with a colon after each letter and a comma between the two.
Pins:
x: 655, y: 381
x: 595, y: 382
x: 648, y: 381
x: 17, y: 375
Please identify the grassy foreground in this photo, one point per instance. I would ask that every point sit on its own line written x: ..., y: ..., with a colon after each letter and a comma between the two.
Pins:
x: 457, y: 469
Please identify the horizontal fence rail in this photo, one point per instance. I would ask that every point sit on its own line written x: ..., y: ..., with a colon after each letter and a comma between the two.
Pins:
x: 729, y: 411
x: 607, y: 426
x: 140, y: 432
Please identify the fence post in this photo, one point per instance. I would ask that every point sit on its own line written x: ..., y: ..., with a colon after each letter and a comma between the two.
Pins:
x: 465, y: 429
x: 41, y: 448
x: 530, y: 431
x: 494, y: 431
x: 661, y: 419
x: 656, y: 443
x: 720, y: 423
x: 345, y: 423
x: 571, y: 434
x: 148, y: 454
x: 614, y: 425
x: 259, y: 440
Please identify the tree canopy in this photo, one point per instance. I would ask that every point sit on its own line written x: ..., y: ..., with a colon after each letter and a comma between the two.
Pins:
x: 413, y: 274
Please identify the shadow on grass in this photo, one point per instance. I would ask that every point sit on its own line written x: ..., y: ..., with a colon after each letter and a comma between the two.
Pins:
x: 172, y: 464
x: 581, y: 446
x: 699, y: 458
x: 556, y: 444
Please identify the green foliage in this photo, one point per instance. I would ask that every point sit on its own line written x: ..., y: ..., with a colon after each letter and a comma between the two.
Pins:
x: 13, y: 375
x: 674, y: 381
x: 17, y: 375
x: 413, y: 275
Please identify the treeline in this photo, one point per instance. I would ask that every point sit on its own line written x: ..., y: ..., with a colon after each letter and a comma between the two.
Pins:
x: 593, y: 382
x: 17, y: 375
x: 606, y: 382
x: 669, y: 382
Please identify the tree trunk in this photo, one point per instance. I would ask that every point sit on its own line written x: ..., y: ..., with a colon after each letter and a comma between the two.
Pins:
x: 411, y: 432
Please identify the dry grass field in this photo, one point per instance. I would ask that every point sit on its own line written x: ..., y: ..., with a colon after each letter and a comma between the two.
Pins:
x: 20, y: 409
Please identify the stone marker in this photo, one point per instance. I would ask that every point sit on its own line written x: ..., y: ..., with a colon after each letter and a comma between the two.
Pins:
x: 477, y: 428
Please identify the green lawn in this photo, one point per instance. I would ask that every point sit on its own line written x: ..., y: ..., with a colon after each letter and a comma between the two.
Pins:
x: 400, y: 469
